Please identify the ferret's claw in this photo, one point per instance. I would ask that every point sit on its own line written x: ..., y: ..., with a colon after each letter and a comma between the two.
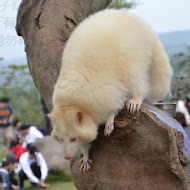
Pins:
x: 133, y: 105
x: 109, y: 127
x: 85, y: 164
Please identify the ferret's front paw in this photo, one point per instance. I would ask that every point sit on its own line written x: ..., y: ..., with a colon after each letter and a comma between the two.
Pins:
x: 85, y: 164
x: 133, y: 105
x: 109, y: 127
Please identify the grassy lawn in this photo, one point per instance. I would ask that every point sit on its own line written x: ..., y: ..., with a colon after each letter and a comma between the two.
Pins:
x: 2, y: 152
x: 57, y: 181
x: 57, y: 186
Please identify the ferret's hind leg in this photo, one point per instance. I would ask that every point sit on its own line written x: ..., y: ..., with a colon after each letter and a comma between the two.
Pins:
x: 109, y: 127
x: 138, y: 88
x: 85, y: 161
x: 133, y: 105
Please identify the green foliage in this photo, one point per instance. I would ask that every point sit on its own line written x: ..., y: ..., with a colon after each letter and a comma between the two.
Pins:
x: 55, y: 176
x: 17, y: 84
x: 181, y: 80
x: 119, y: 4
x: 181, y: 62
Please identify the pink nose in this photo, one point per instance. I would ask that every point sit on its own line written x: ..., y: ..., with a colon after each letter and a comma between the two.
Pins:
x: 67, y: 157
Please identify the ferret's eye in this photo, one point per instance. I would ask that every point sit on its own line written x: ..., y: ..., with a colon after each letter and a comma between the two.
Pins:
x: 73, y: 139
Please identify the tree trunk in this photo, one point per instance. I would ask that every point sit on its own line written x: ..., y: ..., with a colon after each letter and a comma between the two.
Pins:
x: 45, y: 26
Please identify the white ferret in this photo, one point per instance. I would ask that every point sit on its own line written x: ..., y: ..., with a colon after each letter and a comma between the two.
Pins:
x: 111, y: 58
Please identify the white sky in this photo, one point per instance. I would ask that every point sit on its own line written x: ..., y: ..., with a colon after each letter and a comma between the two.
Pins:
x: 162, y: 15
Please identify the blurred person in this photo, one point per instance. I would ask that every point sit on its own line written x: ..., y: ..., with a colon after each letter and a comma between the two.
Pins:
x: 182, y: 115
x: 31, y: 134
x: 180, y: 108
x: 5, y: 183
x: 174, y: 100
x: 17, y: 133
x: 6, y: 117
x: 187, y: 103
x: 16, y: 130
x: 17, y: 149
x: 13, y: 180
x: 32, y: 166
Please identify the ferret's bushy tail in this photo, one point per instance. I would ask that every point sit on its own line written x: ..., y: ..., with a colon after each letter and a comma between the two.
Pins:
x: 160, y: 73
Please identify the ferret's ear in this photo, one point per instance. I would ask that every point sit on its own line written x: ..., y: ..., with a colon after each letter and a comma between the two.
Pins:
x: 51, y: 116
x: 79, y: 117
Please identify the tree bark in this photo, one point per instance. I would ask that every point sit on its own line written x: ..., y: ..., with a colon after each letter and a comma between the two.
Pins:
x: 45, y: 26
x: 145, y: 152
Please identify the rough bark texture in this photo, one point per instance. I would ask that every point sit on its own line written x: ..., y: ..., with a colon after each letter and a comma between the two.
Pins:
x: 143, y: 153
x: 45, y: 26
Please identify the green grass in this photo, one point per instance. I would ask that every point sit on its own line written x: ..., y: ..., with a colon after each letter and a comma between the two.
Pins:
x: 57, y: 186
x: 2, y: 152
x: 57, y: 180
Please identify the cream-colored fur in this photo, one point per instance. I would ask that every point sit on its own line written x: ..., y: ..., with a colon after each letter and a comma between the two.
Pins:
x: 110, y: 58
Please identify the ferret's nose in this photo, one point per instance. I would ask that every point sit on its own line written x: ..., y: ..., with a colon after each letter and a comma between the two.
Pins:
x: 67, y: 157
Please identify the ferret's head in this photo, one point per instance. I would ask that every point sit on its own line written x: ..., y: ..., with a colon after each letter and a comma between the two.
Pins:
x: 73, y: 128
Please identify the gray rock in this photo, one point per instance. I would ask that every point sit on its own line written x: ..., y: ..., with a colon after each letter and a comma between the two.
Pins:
x: 53, y: 153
